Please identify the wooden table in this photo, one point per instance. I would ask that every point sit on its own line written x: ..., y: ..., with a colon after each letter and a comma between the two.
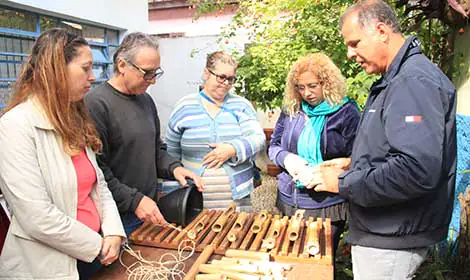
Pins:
x: 117, y: 272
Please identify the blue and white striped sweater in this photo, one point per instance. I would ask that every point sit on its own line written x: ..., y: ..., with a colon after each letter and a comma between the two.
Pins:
x: 191, y: 129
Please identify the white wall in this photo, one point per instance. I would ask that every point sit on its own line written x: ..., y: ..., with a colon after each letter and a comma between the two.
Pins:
x: 203, y: 26
x: 182, y: 72
x: 131, y: 15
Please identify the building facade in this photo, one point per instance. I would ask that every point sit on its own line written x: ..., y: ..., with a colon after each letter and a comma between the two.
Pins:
x: 102, y: 23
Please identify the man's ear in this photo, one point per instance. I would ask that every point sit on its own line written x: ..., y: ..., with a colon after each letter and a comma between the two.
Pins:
x: 121, y: 64
x: 383, y: 31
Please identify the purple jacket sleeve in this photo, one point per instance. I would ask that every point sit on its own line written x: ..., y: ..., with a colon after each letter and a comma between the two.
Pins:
x: 276, y: 152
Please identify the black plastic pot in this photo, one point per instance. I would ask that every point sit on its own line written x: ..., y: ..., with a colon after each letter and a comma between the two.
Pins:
x: 182, y: 205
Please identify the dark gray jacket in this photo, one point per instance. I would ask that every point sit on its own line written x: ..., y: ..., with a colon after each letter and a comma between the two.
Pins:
x: 401, y: 182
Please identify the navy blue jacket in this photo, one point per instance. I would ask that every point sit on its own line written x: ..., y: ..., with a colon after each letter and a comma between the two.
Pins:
x: 401, y: 183
x: 336, y: 141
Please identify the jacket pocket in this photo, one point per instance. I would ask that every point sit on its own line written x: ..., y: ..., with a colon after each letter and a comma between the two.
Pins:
x: 30, y: 259
x: 285, y: 184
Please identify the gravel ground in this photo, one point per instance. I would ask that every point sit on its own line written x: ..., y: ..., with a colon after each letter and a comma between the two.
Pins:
x: 264, y: 196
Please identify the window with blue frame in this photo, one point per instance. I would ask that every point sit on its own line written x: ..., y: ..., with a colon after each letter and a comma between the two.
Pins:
x: 19, y: 29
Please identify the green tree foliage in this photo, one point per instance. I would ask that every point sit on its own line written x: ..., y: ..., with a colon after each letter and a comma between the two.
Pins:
x: 281, y: 31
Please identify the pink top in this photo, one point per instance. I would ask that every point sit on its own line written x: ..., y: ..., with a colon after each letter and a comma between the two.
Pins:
x: 86, y: 178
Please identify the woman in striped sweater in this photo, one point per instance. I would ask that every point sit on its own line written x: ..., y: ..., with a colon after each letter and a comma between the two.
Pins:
x: 216, y: 134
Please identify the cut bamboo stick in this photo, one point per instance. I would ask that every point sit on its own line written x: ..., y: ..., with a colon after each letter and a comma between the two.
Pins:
x: 270, y: 241
x: 263, y: 267
x: 200, y: 225
x: 246, y: 269
x: 247, y: 255
x: 211, y: 277
x: 294, y: 225
x: 259, y: 221
x: 255, y: 246
x: 313, y: 244
x: 243, y: 261
x: 202, y: 259
x: 230, y: 274
x: 237, y: 227
x: 219, y: 224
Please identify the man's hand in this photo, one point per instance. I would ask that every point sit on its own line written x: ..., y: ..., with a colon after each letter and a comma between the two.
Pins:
x: 325, y: 179
x: 110, y: 249
x: 148, y: 211
x: 220, y: 154
x: 343, y: 163
x: 294, y: 164
x: 181, y: 173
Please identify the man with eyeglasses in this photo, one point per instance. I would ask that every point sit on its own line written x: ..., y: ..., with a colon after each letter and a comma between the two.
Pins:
x: 127, y: 120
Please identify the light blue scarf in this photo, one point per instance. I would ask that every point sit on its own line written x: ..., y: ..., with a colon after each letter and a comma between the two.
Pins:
x: 308, y: 146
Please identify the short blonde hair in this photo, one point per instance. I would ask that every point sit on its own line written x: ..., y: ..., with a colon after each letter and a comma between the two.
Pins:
x: 222, y: 57
x: 333, y: 83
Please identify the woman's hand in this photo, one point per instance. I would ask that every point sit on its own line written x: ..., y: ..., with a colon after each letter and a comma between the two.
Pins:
x: 219, y: 155
x: 110, y: 249
x: 294, y: 164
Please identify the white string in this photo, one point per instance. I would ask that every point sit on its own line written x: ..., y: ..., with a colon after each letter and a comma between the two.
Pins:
x: 169, y: 266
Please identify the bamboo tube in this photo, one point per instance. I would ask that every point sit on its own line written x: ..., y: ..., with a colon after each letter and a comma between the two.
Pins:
x: 203, y: 258
x: 258, y: 222
x: 270, y: 241
x: 232, y: 275
x: 313, y: 244
x: 219, y: 224
x: 197, y: 228
x: 256, y: 244
x: 247, y: 255
x: 191, y: 234
x: 299, y: 214
x: 253, y: 269
x: 211, y: 277
x: 241, y: 220
x: 263, y: 267
x: 233, y: 236
x: 277, y: 228
x: 224, y: 260
x: 293, y: 229
x: 184, y: 232
x: 239, y: 223
x: 294, y: 225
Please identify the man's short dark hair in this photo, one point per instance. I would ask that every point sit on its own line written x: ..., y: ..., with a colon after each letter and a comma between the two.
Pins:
x: 369, y: 11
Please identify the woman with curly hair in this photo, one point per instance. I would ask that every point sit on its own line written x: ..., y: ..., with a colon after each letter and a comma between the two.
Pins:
x: 318, y: 123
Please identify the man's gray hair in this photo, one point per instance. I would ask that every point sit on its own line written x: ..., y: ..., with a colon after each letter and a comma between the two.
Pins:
x: 369, y: 11
x: 130, y: 45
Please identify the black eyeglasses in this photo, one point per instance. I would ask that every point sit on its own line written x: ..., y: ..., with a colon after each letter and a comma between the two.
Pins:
x: 222, y: 78
x: 148, y: 74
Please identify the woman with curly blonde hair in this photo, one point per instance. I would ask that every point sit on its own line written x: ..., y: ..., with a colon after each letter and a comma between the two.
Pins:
x: 318, y: 123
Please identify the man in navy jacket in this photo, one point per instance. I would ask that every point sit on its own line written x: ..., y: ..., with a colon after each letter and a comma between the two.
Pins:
x: 401, y: 176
